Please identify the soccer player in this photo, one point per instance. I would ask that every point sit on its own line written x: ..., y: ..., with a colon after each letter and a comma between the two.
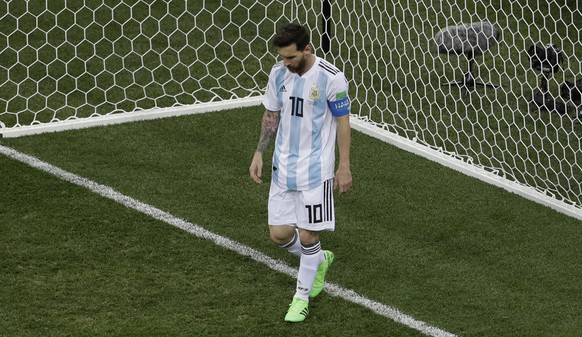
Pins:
x: 307, y: 110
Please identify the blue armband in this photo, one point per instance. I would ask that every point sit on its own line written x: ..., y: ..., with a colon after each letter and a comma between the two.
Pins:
x: 340, y: 107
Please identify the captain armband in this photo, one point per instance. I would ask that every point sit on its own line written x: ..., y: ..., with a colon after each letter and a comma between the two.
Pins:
x: 340, y: 107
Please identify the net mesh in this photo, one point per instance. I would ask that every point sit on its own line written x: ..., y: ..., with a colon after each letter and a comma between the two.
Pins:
x: 62, y: 60
x: 398, y: 81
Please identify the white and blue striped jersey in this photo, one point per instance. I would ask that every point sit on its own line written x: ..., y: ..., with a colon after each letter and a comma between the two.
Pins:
x: 304, y: 155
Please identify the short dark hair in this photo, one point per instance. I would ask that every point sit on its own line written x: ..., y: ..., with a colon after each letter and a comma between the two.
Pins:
x: 291, y: 33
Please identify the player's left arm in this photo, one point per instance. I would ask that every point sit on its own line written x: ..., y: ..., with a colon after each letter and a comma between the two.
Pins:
x: 343, y: 176
x: 339, y: 104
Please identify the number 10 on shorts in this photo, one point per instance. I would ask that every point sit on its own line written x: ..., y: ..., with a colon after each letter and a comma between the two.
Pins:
x: 315, y: 213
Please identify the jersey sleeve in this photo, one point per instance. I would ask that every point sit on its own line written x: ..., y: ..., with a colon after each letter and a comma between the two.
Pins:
x: 271, y: 100
x: 337, y: 99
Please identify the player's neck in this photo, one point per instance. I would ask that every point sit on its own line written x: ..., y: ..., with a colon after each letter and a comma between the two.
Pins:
x: 308, y: 64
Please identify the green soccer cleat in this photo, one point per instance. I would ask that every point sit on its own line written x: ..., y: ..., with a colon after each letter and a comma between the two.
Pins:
x: 298, y: 310
x: 319, y: 282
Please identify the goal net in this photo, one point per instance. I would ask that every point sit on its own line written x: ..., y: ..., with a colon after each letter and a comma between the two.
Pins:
x: 399, y: 80
x: 71, y: 63
x: 64, y: 62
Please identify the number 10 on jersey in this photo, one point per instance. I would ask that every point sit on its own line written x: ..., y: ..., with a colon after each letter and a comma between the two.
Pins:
x: 296, y: 106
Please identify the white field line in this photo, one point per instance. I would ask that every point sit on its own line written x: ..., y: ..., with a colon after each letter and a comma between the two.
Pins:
x: 333, y: 289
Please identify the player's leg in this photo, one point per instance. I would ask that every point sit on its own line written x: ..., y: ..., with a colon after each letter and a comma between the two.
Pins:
x: 282, y: 219
x: 311, y: 257
x: 318, y: 216
x: 282, y: 230
x: 325, y: 258
x: 286, y: 236
x: 315, y: 214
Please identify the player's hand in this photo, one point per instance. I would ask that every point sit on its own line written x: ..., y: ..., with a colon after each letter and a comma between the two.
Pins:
x: 256, y: 168
x: 343, y: 180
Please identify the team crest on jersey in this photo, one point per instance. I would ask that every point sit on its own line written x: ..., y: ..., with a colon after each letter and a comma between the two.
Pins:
x: 314, y: 93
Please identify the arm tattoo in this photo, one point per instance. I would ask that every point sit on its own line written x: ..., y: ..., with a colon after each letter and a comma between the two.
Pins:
x: 268, y: 129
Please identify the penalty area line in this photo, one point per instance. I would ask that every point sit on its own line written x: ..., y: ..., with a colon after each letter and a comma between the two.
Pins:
x: 277, y: 265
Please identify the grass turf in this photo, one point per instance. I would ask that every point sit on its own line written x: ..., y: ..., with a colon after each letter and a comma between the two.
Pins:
x: 445, y: 248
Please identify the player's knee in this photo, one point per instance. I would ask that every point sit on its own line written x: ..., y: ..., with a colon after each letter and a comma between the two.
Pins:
x: 281, y: 234
x: 279, y: 238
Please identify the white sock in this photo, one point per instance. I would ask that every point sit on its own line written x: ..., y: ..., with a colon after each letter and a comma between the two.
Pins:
x: 294, y: 246
x: 311, y: 257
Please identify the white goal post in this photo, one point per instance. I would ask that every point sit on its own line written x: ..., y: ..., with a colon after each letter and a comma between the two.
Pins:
x: 71, y: 64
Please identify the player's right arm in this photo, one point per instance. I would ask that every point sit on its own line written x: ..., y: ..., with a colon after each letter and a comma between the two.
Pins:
x: 269, y: 127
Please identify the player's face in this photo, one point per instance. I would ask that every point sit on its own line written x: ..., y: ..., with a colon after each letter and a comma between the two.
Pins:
x: 295, y: 60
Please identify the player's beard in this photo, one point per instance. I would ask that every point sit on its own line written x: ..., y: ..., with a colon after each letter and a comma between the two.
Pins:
x: 299, y: 69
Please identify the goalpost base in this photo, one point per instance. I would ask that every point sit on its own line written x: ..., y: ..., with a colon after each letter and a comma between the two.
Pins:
x: 130, y: 117
x: 466, y: 168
